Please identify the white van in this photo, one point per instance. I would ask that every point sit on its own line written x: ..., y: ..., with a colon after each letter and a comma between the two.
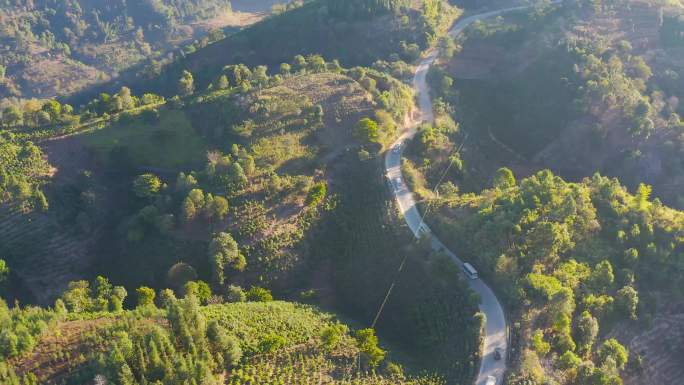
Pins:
x: 470, y: 271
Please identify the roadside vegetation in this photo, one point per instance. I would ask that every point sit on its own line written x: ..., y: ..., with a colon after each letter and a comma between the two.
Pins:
x: 584, y: 266
x: 431, y: 311
x: 572, y: 261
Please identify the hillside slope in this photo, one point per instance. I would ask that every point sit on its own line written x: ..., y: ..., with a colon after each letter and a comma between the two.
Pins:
x: 279, y: 133
x: 54, y: 49
x: 312, y: 29
x: 576, y: 89
x: 237, y: 343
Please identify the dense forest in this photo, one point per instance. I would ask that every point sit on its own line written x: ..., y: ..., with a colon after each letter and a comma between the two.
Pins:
x: 232, y: 186
x: 574, y: 258
x: 54, y: 48
x: 193, y: 192
x: 585, y: 267
x: 581, y: 88
x: 392, y: 31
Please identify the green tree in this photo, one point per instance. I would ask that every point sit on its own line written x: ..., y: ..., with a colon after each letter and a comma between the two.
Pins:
x: 4, y: 271
x: 539, y: 345
x: 77, y: 297
x: 504, y: 178
x: 146, y: 185
x: 569, y: 360
x: 186, y: 84
x: 235, y: 294
x: 197, y: 197
x: 119, y: 294
x: 224, y: 253
x: 185, y: 183
x: 367, y: 342
x: 166, y: 298
x: 237, y: 179
x: 188, y: 210
x: 272, y: 342
x: 259, y: 294
x: 586, y: 331
x: 248, y: 164
x: 260, y: 76
x: 126, y: 100
x: 631, y: 257
x: 226, y: 344
x: 217, y: 208
x: 40, y: 201
x: 54, y: 108
x: 12, y: 116
x: 332, y: 335
x: 611, y: 348
x: 602, y: 277
x: 626, y: 302
x: 367, y: 131
x: 179, y: 274
x: 203, y: 292
x: 145, y: 296
x: 642, y: 196
x: 299, y: 63
x: 222, y: 82
x: 316, y: 194
x: 542, y: 287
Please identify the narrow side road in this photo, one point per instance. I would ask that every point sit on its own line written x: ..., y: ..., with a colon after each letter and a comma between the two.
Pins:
x: 496, y: 329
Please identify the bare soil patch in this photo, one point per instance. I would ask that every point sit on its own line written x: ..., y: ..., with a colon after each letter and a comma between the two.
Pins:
x: 660, y: 347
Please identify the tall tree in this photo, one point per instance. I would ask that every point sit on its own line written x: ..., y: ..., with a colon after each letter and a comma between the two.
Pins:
x: 146, y: 185
x: 186, y: 84
x: 224, y: 253
x: 503, y: 178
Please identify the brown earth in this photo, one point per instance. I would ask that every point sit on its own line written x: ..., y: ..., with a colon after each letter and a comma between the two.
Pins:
x: 659, y: 345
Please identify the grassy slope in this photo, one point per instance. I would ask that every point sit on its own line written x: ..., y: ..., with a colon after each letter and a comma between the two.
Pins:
x: 170, y: 142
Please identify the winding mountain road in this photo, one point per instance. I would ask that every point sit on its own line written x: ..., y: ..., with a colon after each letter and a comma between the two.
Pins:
x: 496, y: 329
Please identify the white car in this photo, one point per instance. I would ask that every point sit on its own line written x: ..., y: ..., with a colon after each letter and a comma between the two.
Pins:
x: 423, y: 229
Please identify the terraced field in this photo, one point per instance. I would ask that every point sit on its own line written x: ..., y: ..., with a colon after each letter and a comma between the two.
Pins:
x: 661, y: 351
x: 45, y: 257
x: 308, y: 366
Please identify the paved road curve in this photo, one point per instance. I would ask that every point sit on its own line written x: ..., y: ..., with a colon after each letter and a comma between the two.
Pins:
x: 495, y: 327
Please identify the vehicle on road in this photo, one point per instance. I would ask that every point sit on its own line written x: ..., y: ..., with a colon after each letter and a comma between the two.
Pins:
x: 423, y: 229
x: 491, y: 380
x: 470, y: 271
x: 497, y: 354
